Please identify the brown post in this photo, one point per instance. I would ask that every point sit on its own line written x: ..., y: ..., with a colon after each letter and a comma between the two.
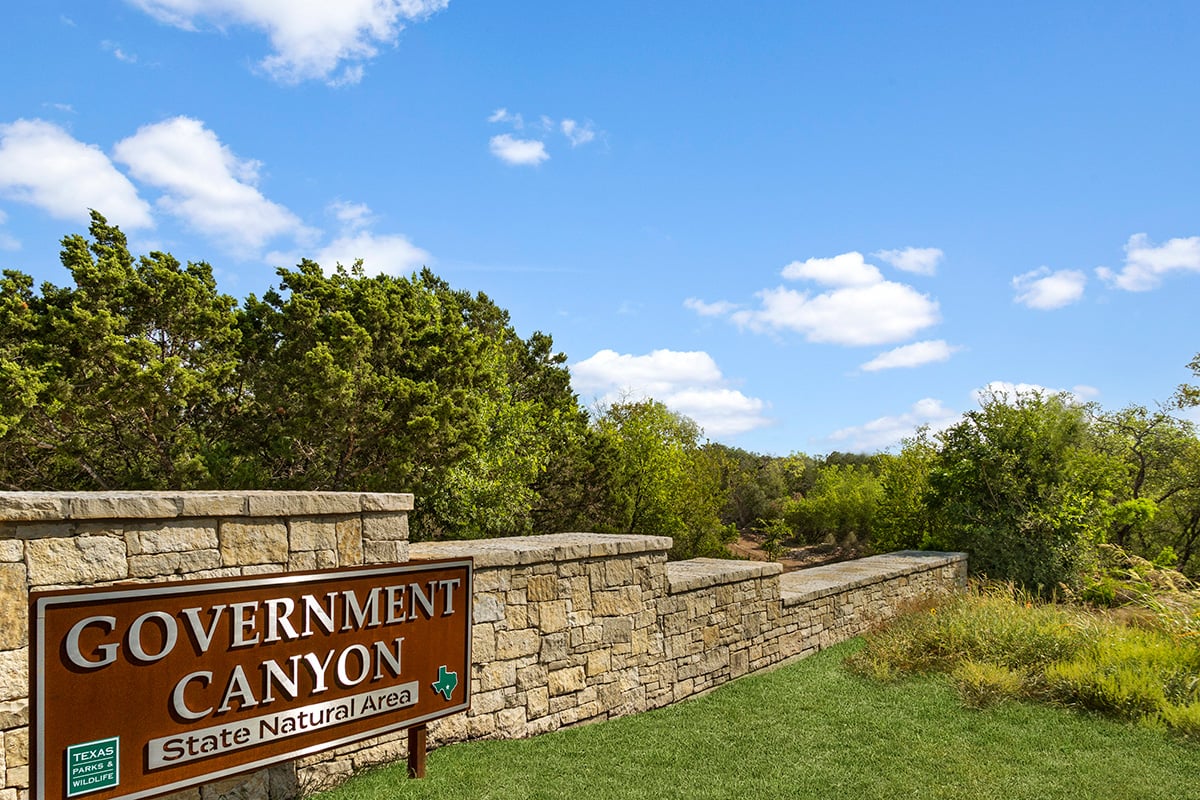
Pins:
x: 416, y: 752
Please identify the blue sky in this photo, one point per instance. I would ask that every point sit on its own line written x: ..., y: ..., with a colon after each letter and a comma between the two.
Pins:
x: 811, y: 227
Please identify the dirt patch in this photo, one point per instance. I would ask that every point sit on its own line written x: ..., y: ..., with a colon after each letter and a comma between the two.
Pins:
x: 749, y: 546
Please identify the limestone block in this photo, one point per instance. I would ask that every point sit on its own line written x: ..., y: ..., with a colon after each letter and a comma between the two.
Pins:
x: 246, y: 542
x: 122, y: 505
x: 17, y: 777
x: 16, y: 747
x: 514, y: 644
x: 302, y: 504
x: 619, y: 572
x: 12, y: 550
x: 385, y: 527
x: 387, y: 552
x: 542, y: 587
x: 566, y: 681
x: 312, y: 534
x: 33, y: 506
x: 14, y: 607
x: 497, y: 675
x: 537, y: 702
x: 302, y: 562
x: 511, y: 722
x: 172, y: 537
x: 531, y: 677
x: 483, y: 643
x: 555, y: 646
x: 617, y: 630
x: 481, y: 727
x: 9, y: 794
x: 598, y: 662
x: 379, y: 501
x: 77, y: 560
x: 349, y: 541
x: 168, y: 564
x: 14, y: 713
x: 552, y: 616
x: 618, y: 602
x: 488, y: 702
x: 487, y: 607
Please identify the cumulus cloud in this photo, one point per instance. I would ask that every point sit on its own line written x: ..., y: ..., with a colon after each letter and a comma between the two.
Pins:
x: 390, y: 254
x: 860, y: 306
x: 577, y: 134
x: 688, y: 383
x: 523, y: 152
x: 381, y: 254
x: 717, y: 309
x: 205, y: 185
x: 312, y: 39
x: 1046, y: 290
x: 885, y: 432
x: 43, y: 165
x: 1147, y: 264
x: 921, y: 260
x: 118, y: 53
x: 502, y: 115
x: 912, y: 355
x: 848, y: 269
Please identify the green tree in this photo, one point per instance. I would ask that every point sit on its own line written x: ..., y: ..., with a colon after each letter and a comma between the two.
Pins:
x: 125, y: 376
x: 840, y: 507
x: 903, y: 519
x: 1021, y: 486
x: 663, y: 483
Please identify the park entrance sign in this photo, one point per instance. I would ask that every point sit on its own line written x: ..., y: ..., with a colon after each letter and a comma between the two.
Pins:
x: 139, y: 690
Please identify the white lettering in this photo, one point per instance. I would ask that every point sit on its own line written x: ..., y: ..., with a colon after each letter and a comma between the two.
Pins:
x: 179, y: 701
x: 170, y: 636
x: 277, y: 618
x: 364, y: 659
x: 108, y: 652
x: 242, y: 625
x: 203, y: 636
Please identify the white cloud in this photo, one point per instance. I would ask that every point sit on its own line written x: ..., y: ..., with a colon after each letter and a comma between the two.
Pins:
x: 44, y: 166
x: 386, y: 254
x: 1146, y: 264
x: 1046, y: 290
x: 381, y: 255
x: 884, y: 432
x: 118, y: 53
x: 502, y: 115
x: 717, y: 309
x: 352, y: 216
x: 911, y: 355
x: 518, y: 151
x: 205, y: 184
x: 688, y: 383
x: 921, y: 260
x: 860, y: 315
x: 311, y: 38
x: 577, y: 134
x: 861, y: 308
x: 848, y: 269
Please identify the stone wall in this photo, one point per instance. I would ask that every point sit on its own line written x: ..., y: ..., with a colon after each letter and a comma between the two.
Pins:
x: 568, y: 628
x: 53, y: 540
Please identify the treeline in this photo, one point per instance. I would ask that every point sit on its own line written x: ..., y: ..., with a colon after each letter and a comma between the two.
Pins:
x: 142, y: 375
x: 1029, y: 484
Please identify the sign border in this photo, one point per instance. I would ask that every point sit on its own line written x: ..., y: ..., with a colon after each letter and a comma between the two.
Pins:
x: 40, y: 601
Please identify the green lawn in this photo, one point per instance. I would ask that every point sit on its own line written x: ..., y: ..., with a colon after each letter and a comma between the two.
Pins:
x: 812, y: 730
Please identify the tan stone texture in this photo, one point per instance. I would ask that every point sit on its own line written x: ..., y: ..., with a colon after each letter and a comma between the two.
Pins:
x: 78, y: 560
x: 14, y: 607
x: 247, y: 542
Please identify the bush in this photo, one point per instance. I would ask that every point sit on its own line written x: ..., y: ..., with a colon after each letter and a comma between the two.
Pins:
x: 981, y: 684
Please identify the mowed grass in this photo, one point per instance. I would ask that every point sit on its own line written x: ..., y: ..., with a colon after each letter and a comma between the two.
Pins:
x: 814, y: 730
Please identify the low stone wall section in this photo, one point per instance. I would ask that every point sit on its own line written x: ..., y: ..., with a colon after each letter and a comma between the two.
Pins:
x: 567, y: 628
x: 574, y: 628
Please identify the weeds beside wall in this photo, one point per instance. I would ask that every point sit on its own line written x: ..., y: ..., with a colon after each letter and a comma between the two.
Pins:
x: 568, y: 628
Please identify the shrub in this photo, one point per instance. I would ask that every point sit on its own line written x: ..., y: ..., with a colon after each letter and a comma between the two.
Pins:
x: 981, y: 684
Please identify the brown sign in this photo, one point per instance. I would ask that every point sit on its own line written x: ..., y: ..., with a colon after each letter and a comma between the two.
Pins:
x: 147, y: 689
